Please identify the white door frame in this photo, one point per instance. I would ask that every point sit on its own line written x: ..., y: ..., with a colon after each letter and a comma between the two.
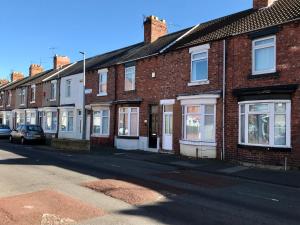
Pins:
x: 167, y: 140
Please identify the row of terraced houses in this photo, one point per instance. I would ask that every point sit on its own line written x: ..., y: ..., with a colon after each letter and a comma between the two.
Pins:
x: 224, y: 89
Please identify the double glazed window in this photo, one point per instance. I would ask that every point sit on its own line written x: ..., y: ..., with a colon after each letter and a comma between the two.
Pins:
x: 33, y: 90
x: 20, y: 119
x: 51, y: 121
x: 9, y: 98
x: 67, y: 121
x: 199, y: 123
x: 199, y: 66
x: 31, y: 118
x: 103, y: 82
x: 53, y: 90
x: 264, y: 55
x: 22, y: 96
x: 101, y: 122
x: 129, y: 121
x: 265, y: 123
x: 130, y: 78
x: 68, y: 88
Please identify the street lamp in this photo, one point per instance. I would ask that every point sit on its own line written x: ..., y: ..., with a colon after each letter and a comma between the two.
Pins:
x: 83, y: 100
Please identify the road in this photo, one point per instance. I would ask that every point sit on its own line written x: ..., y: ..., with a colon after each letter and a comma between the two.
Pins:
x: 37, y: 185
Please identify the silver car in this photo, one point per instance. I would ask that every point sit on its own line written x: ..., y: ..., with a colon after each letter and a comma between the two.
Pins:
x: 4, y: 131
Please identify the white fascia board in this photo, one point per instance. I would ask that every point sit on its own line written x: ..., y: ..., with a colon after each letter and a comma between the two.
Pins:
x: 48, y: 78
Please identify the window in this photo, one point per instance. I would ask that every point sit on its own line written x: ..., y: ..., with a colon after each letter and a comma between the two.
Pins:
x: 22, y: 96
x: 20, y: 119
x: 31, y: 118
x: 33, y: 88
x: 9, y: 98
x: 130, y: 78
x: 199, y: 66
x: 129, y: 122
x: 2, y: 98
x: 53, y: 90
x: 199, y: 123
x: 101, y: 122
x: 51, y: 121
x: 103, y: 82
x: 68, y: 88
x: 67, y: 121
x: 264, y: 55
x: 265, y: 123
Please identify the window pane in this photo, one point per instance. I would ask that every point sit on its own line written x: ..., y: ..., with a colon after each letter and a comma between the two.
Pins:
x: 280, y: 108
x: 200, y: 55
x: 258, y: 129
x: 64, y: 121
x: 280, y: 130
x: 168, y: 108
x: 242, y: 108
x: 193, y: 127
x: 133, y: 109
x: 264, y: 59
x: 167, y: 125
x: 242, y: 129
x: 54, y: 121
x: 209, y: 128
x: 199, y: 70
x: 193, y: 109
x: 259, y: 107
x: 105, y: 125
x: 209, y: 109
x: 134, y: 124
x: 96, y: 123
x: 70, y: 121
x: 105, y: 113
x: 263, y: 42
x: 123, y: 121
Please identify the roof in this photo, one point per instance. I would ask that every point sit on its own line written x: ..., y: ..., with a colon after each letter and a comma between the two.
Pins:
x: 280, y: 12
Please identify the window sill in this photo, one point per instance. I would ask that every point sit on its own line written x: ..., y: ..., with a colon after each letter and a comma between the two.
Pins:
x: 32, y: 102
x: 50, y: 131
x: 101, y: 94
x: 100, y: 135
x: 264, y: 75
x: 196, y: 83
x: 128, y: 137
x: 130, y: 91
x: 265, y: 148
x: 52, y: 100
x: 198, y: 143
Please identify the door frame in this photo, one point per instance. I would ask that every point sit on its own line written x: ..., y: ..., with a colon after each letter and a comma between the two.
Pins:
x: 163, y: 126
x: 150, y: 124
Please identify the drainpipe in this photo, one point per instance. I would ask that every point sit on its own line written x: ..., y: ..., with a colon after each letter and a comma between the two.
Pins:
x: 223, y: 98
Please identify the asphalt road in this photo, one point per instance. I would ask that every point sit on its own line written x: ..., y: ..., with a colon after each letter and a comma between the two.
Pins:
x: 191, y: 197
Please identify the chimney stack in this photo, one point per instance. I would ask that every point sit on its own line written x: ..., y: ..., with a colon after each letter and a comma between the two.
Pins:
x: 154, y: 28
x: 3, y: 82
x: 60, y: 61
x: 35, y: 69
x: 16, y: 76
x: 258, y: 4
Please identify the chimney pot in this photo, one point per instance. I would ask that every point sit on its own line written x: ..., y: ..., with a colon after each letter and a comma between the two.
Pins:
x: 154, y: 28
x: 60, y: 61
x: 35, y: 69
x: 16, y: 76
x: 258, y: 4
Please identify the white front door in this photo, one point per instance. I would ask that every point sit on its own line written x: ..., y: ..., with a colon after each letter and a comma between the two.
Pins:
x: 88, y: 127
x: 167, y: 127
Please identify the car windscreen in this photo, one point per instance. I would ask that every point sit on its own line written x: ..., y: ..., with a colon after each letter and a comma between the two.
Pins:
x: 34, y: 128
x: 4, y: 127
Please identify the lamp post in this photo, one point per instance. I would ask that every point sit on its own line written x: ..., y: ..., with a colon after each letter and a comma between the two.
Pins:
x: 83, y: 100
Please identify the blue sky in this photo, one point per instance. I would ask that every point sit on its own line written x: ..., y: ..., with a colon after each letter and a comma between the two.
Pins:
x: 33, y: 30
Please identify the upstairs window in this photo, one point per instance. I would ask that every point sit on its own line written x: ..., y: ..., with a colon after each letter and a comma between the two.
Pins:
x: 22, y: 96
x: 53, y: 90
x: 33, y: 89
x: 130, y: 78
x: 102, y: 82
x: 264, y: 55
x: 199, y: 66
x: 68, y: 88
x: 9, y: 98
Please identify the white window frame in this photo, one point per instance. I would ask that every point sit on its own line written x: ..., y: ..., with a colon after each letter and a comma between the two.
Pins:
x: 197, y: 50
x: 9, y: 98
x: 101, y: 73
x: 134, y: 75
x: 45, y: 121
x: 54, y: 83
x: 129, y: 121
x: 271, y: 112
x: 22, y: 96
x: 68, y: 86
x: 33, y: 93
x: 202, y: 121
x: 254, y: 72
x: 67, y: 126
x: 101, y: 134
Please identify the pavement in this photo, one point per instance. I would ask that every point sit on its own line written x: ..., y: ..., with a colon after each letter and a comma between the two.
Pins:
x: 194, y: 191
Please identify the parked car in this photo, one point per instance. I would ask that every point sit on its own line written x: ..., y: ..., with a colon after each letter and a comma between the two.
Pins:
x: 5, y: 131
x: 26, y: 133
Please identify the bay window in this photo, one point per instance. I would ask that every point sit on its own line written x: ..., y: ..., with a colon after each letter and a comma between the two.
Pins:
x: 264, y: 55
x: 101, y: 122
x: 265, y: 123
x: 20, y: 119
x: 51, y: 121
x: 31, y: 118
x: 129, y: 121
x: 199, y: 123
x: 130, y: 78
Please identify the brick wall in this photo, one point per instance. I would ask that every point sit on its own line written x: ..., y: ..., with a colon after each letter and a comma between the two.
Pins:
x: 239, y: 68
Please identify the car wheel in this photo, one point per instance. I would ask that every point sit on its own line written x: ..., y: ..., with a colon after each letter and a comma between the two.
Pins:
x: 11, y: 139
x: 22, y: 141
